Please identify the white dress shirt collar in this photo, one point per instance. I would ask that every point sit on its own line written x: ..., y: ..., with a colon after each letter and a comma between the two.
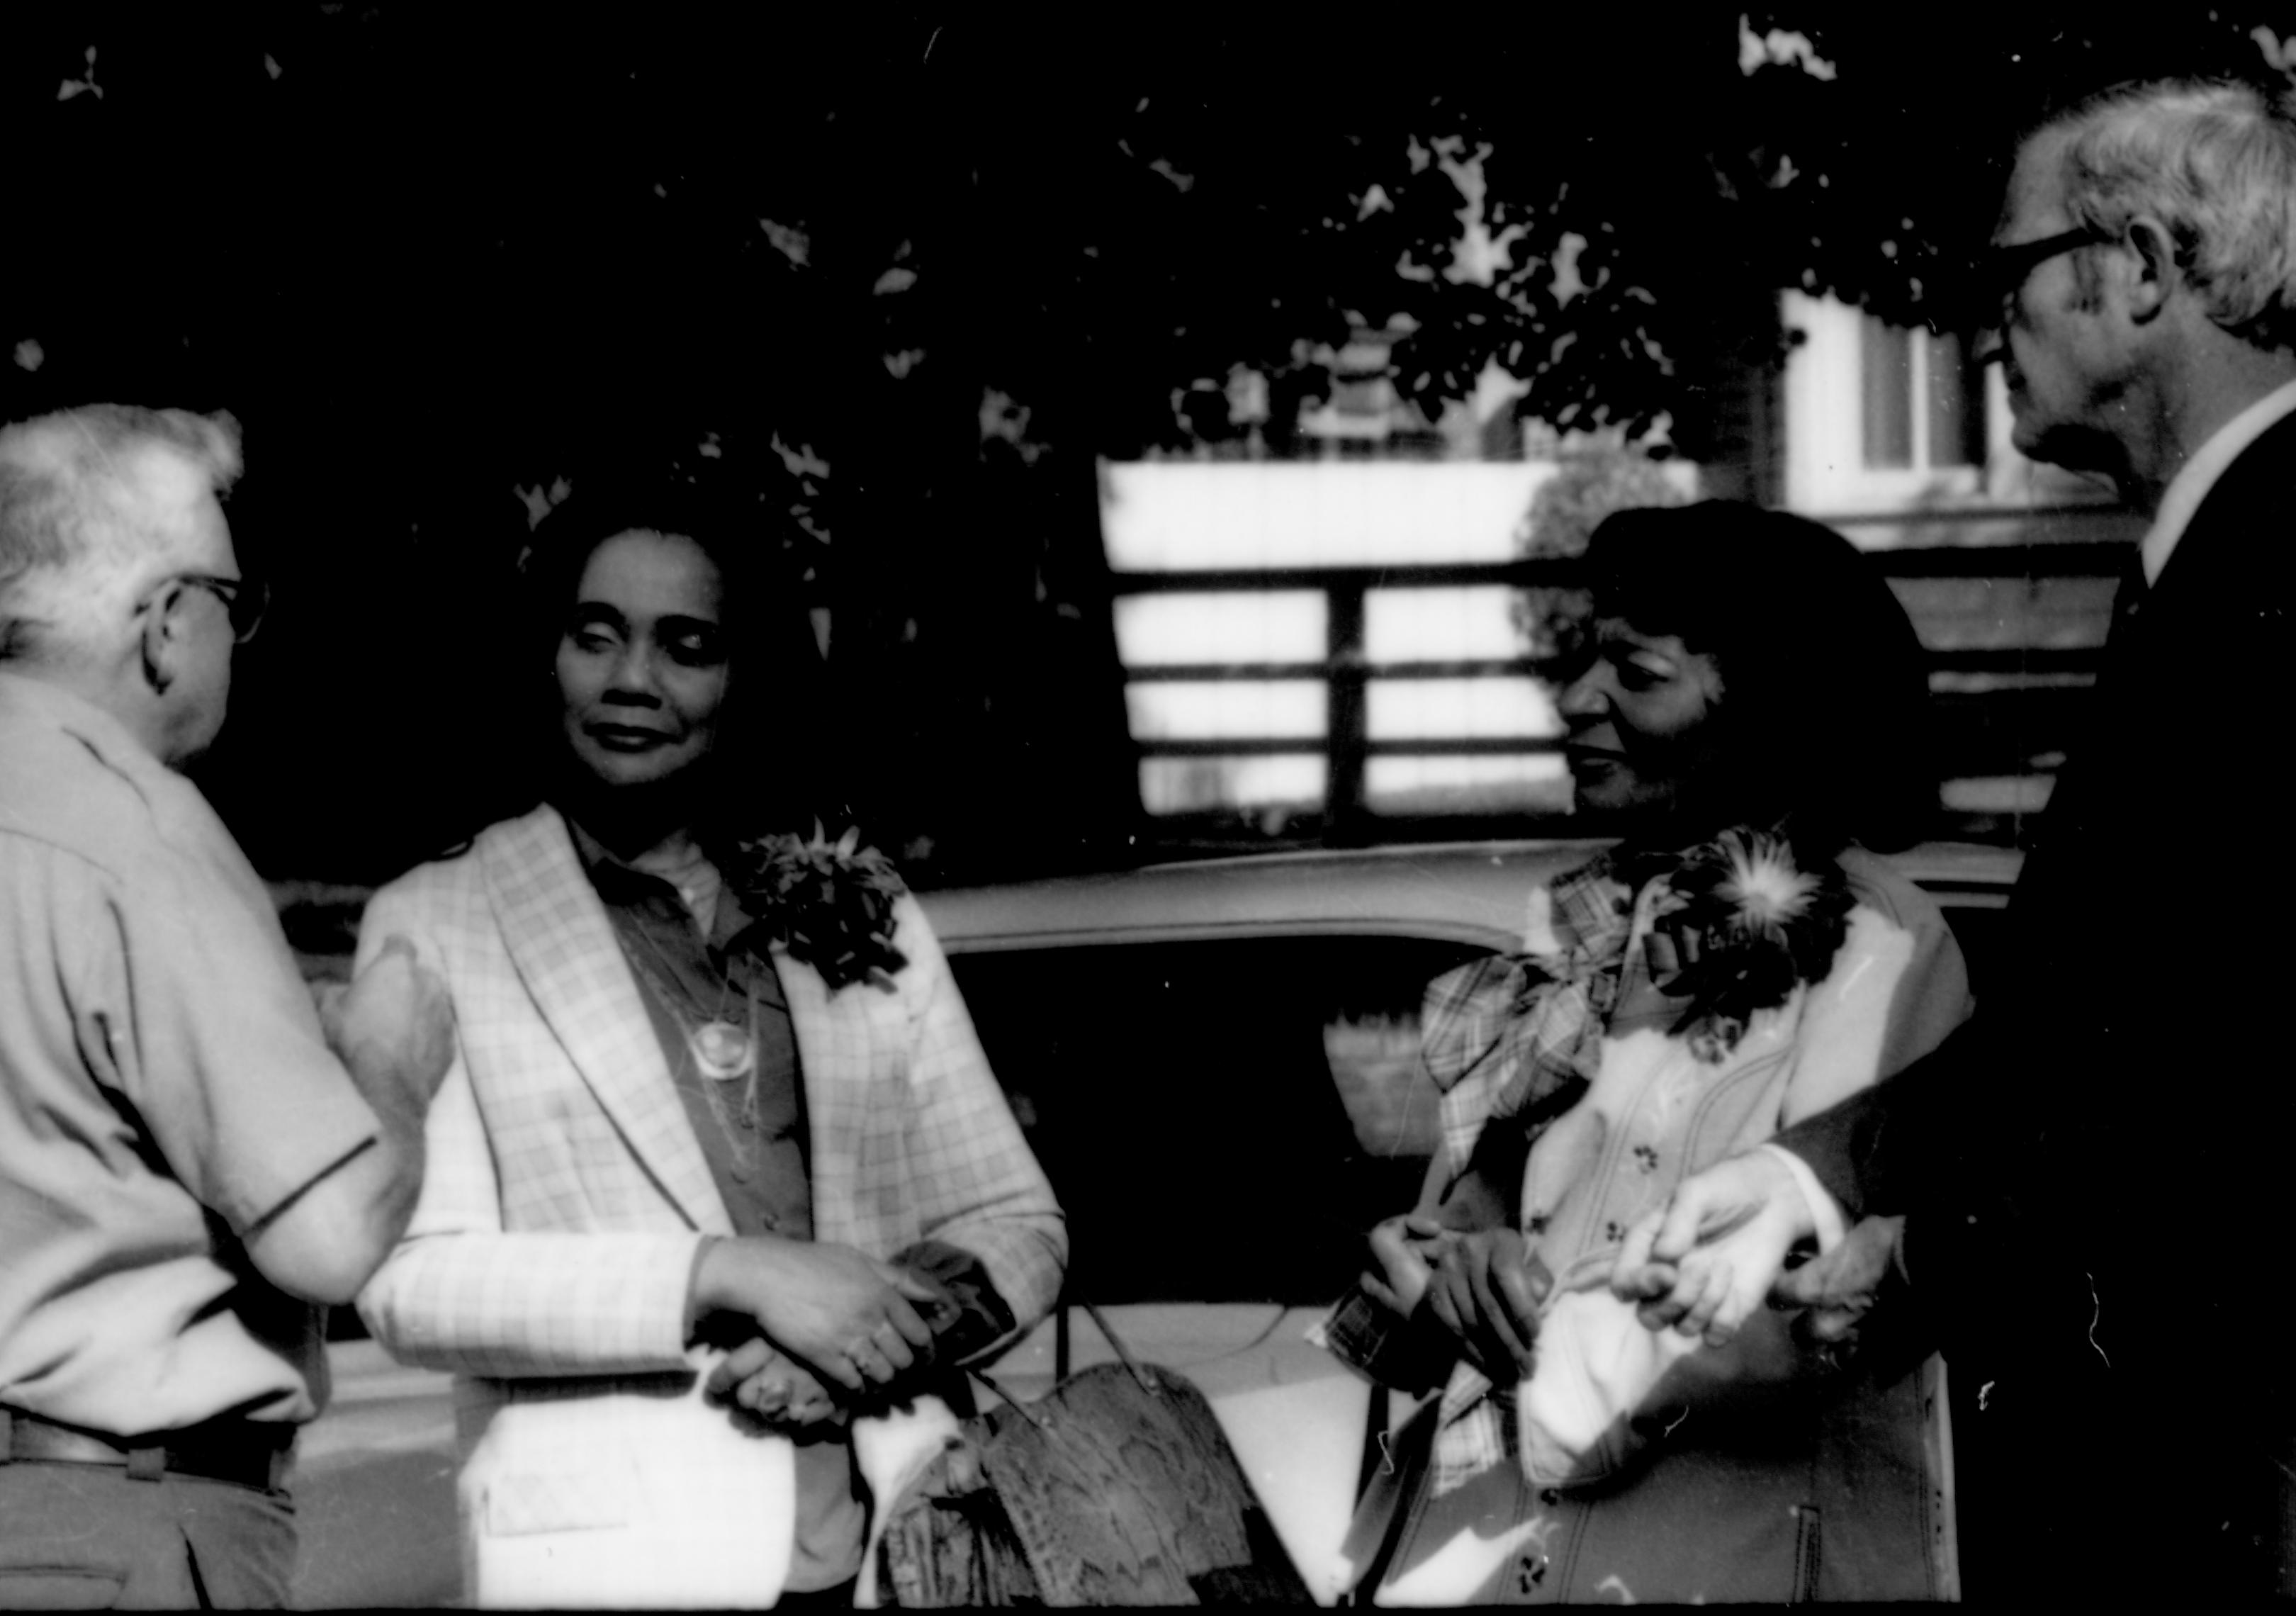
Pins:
x: 2191, y: 484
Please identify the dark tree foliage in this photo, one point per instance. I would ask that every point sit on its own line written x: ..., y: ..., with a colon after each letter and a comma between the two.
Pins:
x: 893, y: 281
x: 1184, y: 199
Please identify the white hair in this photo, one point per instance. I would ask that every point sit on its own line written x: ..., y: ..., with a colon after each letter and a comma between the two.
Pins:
x: 71, y: 544
x: 2216, y: 164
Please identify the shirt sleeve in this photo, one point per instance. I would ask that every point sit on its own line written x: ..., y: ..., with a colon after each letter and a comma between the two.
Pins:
x: 194, y: 1008
x: 1824, y: 1210
x: 976, y: 1184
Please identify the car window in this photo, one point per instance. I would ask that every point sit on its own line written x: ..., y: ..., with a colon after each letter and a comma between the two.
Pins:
x: 1222, y: 1119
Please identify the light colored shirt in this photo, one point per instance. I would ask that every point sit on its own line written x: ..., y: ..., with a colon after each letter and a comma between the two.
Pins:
x: 164, y: 1084
x: 2192, y: 483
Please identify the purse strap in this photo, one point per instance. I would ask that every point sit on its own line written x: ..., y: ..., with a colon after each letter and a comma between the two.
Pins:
x: 1147, y: 1382
x: 1379, y: 1409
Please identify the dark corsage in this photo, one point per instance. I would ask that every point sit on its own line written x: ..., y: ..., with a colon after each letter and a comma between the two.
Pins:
x: 829, y: 903
x: 1744, y: 926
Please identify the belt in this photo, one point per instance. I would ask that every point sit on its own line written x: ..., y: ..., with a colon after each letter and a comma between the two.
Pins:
x: 238, y: 1451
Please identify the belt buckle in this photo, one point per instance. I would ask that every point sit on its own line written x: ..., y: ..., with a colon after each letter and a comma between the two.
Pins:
x: 263, y: 1461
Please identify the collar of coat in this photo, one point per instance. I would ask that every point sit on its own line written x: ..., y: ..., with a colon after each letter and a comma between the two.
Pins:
x: 562, y: 944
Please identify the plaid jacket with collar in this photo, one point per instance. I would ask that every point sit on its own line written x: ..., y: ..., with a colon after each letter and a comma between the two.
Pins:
x: 566, y: 1197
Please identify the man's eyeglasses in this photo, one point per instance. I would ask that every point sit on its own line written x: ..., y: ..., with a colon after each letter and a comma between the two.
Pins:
x: 2003, y: 271
x: 244, y: 600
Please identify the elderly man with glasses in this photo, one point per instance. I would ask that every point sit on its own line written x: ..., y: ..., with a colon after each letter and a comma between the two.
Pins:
x: 2081, y: 1190
x: 189, y: 1158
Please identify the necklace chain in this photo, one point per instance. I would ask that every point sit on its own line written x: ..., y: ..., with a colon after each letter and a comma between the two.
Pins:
x: 718, y: 1049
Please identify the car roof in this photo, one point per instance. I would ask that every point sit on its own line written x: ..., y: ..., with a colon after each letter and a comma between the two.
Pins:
x: 1470, y: 892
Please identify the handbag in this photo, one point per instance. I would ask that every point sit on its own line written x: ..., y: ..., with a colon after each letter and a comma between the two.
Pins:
x: 1117, y: 1487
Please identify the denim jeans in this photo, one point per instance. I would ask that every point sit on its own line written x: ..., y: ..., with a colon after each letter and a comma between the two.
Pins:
x: 90, y: 1537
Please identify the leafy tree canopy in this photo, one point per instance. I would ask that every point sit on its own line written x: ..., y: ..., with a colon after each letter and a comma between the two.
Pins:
x: 901, y: 275
x: 1133, y: 222
x: 1102, y: 220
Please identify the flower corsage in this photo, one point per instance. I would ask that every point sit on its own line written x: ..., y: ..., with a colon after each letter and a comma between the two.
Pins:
x: 829, y: 903
x: 1742, y: 926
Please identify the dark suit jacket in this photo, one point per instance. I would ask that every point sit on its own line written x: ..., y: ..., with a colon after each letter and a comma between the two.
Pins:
x: 2093, y: 1168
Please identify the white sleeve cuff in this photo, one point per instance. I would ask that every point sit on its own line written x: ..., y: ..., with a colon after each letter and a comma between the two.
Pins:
x: 1824, y: 1212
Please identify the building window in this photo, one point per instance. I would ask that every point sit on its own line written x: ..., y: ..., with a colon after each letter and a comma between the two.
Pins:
x: 1922, y: 402
x: 1330, y: 689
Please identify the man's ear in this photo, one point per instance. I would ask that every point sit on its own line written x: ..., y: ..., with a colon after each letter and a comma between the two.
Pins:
x: 161, y: 642
x: 2156, y: 269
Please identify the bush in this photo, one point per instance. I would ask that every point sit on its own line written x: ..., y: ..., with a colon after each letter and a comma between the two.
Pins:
x: 1589, y: 484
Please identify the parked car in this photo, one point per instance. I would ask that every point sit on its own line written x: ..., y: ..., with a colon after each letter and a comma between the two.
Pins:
x: 1215, y: 1061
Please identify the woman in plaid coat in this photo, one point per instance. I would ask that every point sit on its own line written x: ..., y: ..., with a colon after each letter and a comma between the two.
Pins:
x: 720, y: 1176
x: 1744, y: 710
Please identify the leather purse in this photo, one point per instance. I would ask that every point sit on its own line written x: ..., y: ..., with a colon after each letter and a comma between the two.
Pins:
x: 1117, y: 1487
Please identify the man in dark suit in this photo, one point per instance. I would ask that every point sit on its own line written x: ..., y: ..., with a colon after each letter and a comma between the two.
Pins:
x: 2079, y: 1192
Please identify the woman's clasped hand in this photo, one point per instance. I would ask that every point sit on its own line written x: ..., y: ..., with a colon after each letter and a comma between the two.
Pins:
x: 847, y: 1316
x: 1484, y: 1286
x: 760, y: 1378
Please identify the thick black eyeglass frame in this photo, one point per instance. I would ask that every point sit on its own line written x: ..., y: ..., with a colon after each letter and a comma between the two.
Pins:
x: 2003, y: 271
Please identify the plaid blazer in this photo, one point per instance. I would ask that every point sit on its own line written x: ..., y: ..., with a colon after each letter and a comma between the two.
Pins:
x: 566, y: 1196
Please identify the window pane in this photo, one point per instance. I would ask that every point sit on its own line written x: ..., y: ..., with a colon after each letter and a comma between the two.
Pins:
x: 1225, y: 626
x: 1411, y: 709
x: 1363, y: 396
x: 1166, y: 516
x: 1955, y: 404
x: 1192, y: 786
x: 1227, y: 709
x: 1886, y: 376
x: 1440, y: 625
x: 1535, y: 782
x: 1282, y: 1070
